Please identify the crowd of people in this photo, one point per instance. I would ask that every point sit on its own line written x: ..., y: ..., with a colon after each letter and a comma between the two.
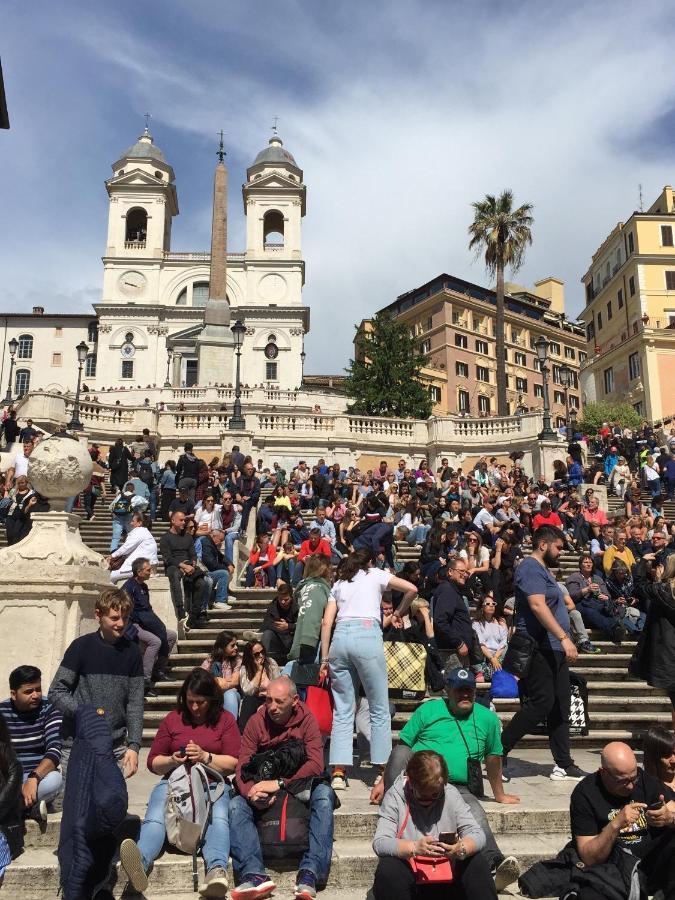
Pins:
x: 486, y: 602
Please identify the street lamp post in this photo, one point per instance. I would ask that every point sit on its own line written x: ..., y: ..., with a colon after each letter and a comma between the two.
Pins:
x: 169, y: 358
x: 566, y: 380
x: 573, y: 424
x: 237, y: 421
x: 13, y: 347
x: 82, y: 351
x: 542, y: 345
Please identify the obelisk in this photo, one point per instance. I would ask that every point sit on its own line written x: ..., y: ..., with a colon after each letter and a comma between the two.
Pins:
x: 215, y: 342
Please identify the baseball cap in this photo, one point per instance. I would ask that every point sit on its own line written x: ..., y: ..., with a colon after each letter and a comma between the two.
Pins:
x: 460, y: 678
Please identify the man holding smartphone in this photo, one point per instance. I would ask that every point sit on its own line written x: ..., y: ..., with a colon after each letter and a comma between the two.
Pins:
x: 621, y: 806
x: 545, y: 691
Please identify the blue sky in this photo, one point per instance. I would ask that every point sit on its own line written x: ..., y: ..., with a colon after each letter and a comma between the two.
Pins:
x: 400, y: 114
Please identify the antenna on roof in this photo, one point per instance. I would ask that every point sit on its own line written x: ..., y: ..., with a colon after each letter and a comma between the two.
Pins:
x: 220, y: 153
x: 641, y: 204
x: 275, y: 130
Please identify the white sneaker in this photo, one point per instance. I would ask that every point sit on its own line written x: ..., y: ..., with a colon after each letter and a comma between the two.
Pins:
x: 507, y: 872
x: 558, y: 774
x: 251, y: 635
x: 223, y: 607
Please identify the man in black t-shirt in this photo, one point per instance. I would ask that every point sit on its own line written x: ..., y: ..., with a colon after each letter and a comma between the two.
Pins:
x: 615, y: 807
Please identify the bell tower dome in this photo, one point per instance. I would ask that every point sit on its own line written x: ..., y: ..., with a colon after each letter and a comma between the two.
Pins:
x: 274, y: 204
x: 143, y: 202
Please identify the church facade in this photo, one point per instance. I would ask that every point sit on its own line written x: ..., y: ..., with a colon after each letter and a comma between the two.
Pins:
x: 165, y: 316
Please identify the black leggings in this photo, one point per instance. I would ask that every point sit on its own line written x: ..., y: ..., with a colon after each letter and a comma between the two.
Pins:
x: 395, y: 880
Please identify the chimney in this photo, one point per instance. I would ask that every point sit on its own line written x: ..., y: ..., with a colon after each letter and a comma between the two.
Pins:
x: 38, y: 310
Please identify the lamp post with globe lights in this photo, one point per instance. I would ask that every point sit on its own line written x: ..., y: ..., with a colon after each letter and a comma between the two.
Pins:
x: 82, y: 351
x: 541, y: 347
x: 566, y: 381
x: 237, y: 421
x: 169, y: 359
x: 13, y: 345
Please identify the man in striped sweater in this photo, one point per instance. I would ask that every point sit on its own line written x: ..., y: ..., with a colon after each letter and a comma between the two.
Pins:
x: 34, y: 726
x: 106, y: 669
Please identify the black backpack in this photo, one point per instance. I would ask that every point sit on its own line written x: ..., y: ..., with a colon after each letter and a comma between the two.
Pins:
x: 283, y: 828
x: 146, y: 474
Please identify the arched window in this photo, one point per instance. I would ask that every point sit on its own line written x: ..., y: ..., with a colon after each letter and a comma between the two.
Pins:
x: 273, y: 229
x: 21, y: 382
x: 90, y: 366
x: 200, y: 293
x: 92, y: 332
x: 25, y: 346
x: 137, y: 226
x: 129, y: 337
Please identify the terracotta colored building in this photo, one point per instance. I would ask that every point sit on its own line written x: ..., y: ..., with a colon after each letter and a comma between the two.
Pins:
x: 454, y: 321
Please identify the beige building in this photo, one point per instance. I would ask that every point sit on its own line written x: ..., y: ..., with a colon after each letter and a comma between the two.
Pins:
x: 630, y: 313
x: 454, y: 321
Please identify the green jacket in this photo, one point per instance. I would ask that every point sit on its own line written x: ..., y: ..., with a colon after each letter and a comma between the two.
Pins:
x: 311, y: 596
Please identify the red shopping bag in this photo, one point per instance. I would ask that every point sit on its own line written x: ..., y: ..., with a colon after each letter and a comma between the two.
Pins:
x: 319, y: 702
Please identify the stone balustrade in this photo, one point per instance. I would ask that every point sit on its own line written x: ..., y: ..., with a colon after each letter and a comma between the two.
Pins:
x: 279, y: 428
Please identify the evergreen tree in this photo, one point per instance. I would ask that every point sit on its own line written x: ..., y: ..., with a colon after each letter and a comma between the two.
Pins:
x: 594, y: 414
x: 386, y: 378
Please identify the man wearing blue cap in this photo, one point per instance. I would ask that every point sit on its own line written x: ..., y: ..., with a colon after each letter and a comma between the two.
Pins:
x: 458, y: 728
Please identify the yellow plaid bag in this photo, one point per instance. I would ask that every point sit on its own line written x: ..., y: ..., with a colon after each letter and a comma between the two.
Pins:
x: 405, y: 669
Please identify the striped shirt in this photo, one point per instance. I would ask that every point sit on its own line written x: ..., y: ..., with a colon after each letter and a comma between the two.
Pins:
x: 36, y: 735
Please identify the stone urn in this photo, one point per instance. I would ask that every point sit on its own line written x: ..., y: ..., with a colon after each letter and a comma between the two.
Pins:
x: 59, y: 468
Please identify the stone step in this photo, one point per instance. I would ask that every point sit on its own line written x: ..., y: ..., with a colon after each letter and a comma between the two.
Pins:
x: 34, y: 875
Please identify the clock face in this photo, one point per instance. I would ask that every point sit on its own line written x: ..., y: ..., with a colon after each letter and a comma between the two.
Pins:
x: 128, y: 351
x: 271, y: 351
x: 132, y: 283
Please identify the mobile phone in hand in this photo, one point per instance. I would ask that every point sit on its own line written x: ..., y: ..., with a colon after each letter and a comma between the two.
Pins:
x: 448, y: 837
x: 658, y: 804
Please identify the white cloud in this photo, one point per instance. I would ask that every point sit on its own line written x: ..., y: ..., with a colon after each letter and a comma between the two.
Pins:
x: 400, y: 114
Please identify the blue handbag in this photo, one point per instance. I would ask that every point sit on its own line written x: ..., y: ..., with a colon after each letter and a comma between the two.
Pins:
x: 504, y: 685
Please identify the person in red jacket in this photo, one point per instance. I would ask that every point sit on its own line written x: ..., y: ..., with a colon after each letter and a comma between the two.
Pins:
x: 261, y: 559
x: 282, y: 718
x: 546, y: 516
x: 316, y: 545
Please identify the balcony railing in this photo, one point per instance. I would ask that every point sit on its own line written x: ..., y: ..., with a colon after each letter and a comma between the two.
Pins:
x: 134, y: 245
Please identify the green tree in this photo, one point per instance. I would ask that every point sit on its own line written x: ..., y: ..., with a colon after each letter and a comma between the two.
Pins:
x: 501, y: 233
x: 594, y: 414
x: 386, y: 378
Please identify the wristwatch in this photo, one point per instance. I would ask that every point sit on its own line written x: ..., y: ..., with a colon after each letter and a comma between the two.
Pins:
x: 35, y: 775
x: 281, y: 783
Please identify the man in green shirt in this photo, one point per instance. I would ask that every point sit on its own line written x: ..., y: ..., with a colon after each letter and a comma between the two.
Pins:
x: 457, y: 727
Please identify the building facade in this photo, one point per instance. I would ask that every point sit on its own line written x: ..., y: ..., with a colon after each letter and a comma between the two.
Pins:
x: 454, y: 321
x: 149, y: 327
x: 630, y: 313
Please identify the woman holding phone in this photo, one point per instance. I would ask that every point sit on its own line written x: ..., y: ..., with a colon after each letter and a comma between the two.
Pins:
x: 199, y: 730
x: 425, y: 829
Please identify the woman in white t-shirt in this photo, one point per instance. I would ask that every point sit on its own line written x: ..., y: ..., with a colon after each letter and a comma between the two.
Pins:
x: 356, y: 655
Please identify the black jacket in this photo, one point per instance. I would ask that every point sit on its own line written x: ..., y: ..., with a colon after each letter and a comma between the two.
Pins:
x: 11, y: 801
x: 187, y: 466
x: 212, y: 558
x: 248, y: 487
x: 452, y: 623
x: 10, y: 427
x: 654, y: 657
x: 274, y: 612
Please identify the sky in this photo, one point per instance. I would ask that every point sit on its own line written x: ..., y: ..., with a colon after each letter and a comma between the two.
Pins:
x: 401, y: 113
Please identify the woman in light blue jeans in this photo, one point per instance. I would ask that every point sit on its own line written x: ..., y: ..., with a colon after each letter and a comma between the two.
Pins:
x: 356, y: 656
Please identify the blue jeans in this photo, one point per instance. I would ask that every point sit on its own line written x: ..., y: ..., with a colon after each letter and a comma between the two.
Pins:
x: 230, y: 538
x: 246, y: 853
x: 654, y: 487
x: 221, y: 579
x: 270, y: 571
x: 154, y: 497
x: 153, y: 831
x: 119, y: 525
x: 231, y: 700
x: 294, y: 570
x: 49, y: 787
x: 418, y: 534
x: 357, y: 656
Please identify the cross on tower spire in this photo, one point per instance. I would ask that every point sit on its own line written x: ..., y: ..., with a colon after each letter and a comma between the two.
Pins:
x: 275, y: 130
x: 147, y: 118
x: 220, y: 153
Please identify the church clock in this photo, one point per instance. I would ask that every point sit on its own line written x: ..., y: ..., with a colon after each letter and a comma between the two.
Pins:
x: 131, y: 284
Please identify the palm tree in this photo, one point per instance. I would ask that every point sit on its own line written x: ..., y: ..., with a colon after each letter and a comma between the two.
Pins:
x: 502, y: 233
